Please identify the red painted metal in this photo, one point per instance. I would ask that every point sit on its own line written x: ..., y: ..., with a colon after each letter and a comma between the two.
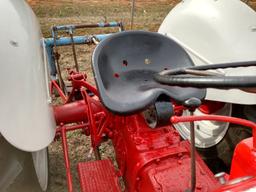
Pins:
x: 148, y: 156
x: 76, y: 111
x: 71, y: 112
x: 244, y: 160
x: 73, y: 127
x: 89, y: 112
x: 54, y: 85
x: 78, y: 80
x: 91, y: 119
x: 210, y: 107
x: 66, y: 158
x: 243, y: 122
x: 173, y: 173
x: 148, y: 159
x: 98, y: 176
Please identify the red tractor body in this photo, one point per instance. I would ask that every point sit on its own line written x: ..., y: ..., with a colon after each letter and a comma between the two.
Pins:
x: 149, y: 158
x: 155, y: 159
x: 244, y: 160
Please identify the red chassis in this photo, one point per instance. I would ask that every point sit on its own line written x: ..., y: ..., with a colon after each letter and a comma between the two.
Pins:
x: 148, y: 159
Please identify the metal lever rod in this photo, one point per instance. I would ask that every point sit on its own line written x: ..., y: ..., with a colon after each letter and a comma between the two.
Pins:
x: 74, y: 50
x: 193, y: 152
x: 56, y: 56
x: 132, y: 13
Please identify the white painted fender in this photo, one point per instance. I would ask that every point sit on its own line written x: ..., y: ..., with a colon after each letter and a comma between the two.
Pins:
x: 26, y: 117
x: 216, y: 31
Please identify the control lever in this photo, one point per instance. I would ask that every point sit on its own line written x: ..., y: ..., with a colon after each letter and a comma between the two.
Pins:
x: 192, y: 104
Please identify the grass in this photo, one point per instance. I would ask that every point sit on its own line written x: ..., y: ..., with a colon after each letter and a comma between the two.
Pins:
x: 148, y: 17
x: 149, y: 14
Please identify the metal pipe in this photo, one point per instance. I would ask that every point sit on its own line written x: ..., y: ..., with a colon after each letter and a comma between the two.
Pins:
x: 193, y: 152
x: 54, y: 85
x: 71, y: 112
x: 76, y: 111
x: 63, y: 41
x: 90, y: 87
x: 92, y: 125
x: 51, y: 61
x: 73, y: 127
x: 97, y: 25
x: 234, y: 120
x: 132, y: 13
x: 74, y: 50
x: 56, y: 58
x: 121, y: 27
x: 66, y: 158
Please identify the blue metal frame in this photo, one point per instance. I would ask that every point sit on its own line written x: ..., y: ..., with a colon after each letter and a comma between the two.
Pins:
x: 73, y: 27
x: 65, y: 41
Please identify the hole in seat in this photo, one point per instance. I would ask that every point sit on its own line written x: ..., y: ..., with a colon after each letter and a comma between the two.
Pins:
x: 125, y: 63
x: 116, y: 75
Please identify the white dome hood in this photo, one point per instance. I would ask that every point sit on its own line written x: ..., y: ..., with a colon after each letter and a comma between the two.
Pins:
x: 26, y: 116
x: 216, y: 31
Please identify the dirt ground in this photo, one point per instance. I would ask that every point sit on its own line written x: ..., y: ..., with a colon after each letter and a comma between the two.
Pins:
x: 149, y: 15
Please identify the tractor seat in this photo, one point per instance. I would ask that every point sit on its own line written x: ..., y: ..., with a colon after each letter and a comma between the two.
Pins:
x: 124, y: 65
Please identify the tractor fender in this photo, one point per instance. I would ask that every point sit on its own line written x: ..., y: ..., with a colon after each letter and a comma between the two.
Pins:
x: 26, y: 115
x: 216, y: 32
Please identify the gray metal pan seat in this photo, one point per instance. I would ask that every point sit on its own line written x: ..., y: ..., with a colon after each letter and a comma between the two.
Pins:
x: 124, y: 65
